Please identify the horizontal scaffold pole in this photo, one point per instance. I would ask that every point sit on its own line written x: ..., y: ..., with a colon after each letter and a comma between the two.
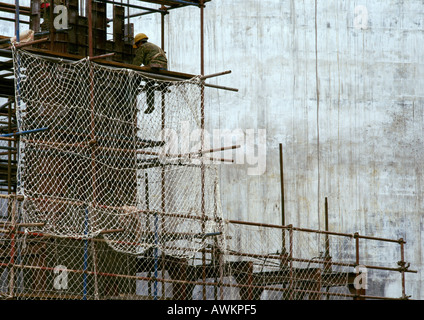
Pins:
x: 215, y: 75
x: 24, y: 132
x: 162, y: 75
x: 26, y: 44
x: 130, y: 6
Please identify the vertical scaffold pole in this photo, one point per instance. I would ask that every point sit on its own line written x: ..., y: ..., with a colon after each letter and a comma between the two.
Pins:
x: 90, y: 27
x: 163, y: 178
x: 85, y: 264
x: 17, y: 27
x: 402, y: 265
x: 12, y: 247
x: 155, y: 285
x: 162, y: 30
x: 359, y: 291
x: 283, y: 219
x: 283, y: 213
x: 147, y: 202
x: 327, y: 257
x: 17, y: 32
x: 93, y: 137
x: 291, y: 274
x: 202, y: 128
x: 14, y: 203
x: 9, y: 152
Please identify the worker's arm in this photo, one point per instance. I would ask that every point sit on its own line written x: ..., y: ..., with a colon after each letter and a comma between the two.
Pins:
x: 139, y: 57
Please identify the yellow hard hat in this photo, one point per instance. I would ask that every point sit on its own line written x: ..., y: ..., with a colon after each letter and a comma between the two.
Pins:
x: 138, y: 38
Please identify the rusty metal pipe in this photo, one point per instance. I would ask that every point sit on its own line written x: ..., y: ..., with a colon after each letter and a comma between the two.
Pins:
x: 202, y: 127
x: 402, y: 264
x: 90, y: 27
x: 316, y: 231
x: 283, y: 213
x: 215, y: 75
x: 101, y: 56
x: 359, y: 291
x: 291, y: 262
x: 106, y: 274
x: 130, y: 6
x: 22, y: 45
x: 327, y: 240
x: 220, y: 87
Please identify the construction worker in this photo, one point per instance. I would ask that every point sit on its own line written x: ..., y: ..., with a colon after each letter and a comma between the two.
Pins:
x: 149, y: 55
x: 45, y: 13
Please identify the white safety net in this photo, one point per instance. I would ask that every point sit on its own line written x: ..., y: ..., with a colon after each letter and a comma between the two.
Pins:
x: 109, y: 152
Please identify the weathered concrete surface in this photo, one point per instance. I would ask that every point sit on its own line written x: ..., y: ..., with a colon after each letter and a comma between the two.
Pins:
x: 344, y: 95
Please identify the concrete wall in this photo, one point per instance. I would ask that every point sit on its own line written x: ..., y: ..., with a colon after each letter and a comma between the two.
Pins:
x: 341, y: 86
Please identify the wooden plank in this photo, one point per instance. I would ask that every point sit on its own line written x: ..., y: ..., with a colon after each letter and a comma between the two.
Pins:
x: 118, y: 31
x: 34, y: 21
x: 73, y: 10
x: 99, y: 28
x: 8, y: 7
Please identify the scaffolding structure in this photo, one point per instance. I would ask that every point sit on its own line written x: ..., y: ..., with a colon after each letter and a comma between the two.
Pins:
x: 258, y: 261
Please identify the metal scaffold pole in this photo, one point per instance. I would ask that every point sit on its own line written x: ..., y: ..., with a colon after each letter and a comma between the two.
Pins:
x: 202, y: 128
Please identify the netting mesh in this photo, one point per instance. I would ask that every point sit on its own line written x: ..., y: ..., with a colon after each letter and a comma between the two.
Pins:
x: 114, y: 203
x: 112, y: 156
x: 288, y: 264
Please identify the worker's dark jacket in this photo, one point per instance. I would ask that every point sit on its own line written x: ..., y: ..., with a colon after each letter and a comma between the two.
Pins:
x: 150, y: 55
